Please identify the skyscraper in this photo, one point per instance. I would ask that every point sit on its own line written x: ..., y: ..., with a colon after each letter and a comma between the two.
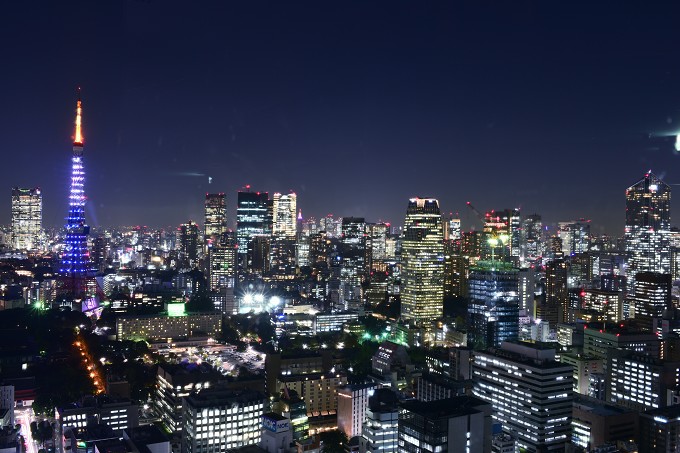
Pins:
x: 26, y: 218
x: 493, y: 310
x: 652, y: 296
x: 284, y: 219
x: 251, y: 219
x: 422, y: 255
x: 353, y: 266
x: 75, y: 258
x: 555, y: 306
x: 215, y: 218
x: 188, y: 243
x: 222, y: 264
x: 532, y: 245
x: 647, y: 232
x: 575, y: 236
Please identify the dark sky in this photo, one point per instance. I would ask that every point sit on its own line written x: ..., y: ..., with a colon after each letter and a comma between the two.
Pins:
x: 355, y: 105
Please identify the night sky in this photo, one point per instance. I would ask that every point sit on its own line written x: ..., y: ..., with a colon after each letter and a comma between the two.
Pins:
x: 355, y: 105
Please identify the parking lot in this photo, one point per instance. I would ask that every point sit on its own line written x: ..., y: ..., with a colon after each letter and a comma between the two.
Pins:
x: 224, y: 358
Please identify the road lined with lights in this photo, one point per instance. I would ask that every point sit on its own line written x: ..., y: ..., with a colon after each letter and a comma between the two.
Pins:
x: 24, y: 417
x: 93, y: 371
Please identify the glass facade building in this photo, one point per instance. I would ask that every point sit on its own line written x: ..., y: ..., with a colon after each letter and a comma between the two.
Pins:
x: 252, y: 218
x: 26, y: 218
x: 647, y: 231
x: 422, y: 255
x: 493, y: 310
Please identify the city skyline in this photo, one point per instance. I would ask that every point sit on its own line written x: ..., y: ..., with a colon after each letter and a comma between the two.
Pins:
x: 299, y: 98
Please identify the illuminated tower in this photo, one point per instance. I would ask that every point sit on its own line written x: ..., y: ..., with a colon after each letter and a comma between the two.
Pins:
x: 26, y: 218
x: 647, y: 233
x: 422, y: 254
x: 75, y: 259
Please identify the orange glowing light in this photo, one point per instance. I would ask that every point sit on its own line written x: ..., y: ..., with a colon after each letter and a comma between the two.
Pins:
x: 78, y: 137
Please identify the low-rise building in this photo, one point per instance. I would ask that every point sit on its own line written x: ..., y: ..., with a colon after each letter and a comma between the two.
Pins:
x: 164, y: 327
x: 452, y: 425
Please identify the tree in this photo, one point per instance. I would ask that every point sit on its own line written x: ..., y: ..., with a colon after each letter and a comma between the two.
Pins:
x: 333, y: 441
x: 42, y: 431
x: 200, y: 301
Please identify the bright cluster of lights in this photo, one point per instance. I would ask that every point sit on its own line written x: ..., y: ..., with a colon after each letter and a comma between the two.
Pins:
x: 258, y: 303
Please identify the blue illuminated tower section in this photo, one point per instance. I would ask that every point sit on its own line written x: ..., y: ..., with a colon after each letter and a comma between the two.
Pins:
x: 75, y: 260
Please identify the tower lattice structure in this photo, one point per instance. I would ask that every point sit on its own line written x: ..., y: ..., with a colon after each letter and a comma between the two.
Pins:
x: 75, y: 260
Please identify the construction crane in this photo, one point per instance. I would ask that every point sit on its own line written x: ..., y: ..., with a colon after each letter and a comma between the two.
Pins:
x: 480, y: 216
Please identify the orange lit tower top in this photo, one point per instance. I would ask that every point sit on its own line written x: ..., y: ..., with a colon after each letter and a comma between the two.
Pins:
x: 78, y: 136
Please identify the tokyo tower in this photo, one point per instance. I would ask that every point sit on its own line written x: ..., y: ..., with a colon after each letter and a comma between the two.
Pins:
x: 75, y: 260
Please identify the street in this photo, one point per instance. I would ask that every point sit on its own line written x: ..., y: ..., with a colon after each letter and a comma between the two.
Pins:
x: 24, y: 416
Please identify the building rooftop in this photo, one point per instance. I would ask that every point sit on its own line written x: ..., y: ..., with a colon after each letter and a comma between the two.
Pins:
x: 274, y: 416
x: 517, y: 357
x: 307, y: 377
x: 449, y: 407
x: 669, y: 413
x: 247, y: 449
x: 111, y: 446
x: 598, y: 407
x: 146, y: 434
x: 216, y: 396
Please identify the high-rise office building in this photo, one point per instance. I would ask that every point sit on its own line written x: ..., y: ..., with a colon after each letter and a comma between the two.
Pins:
x: 422, y: 255
x: 332, y: 226
x: 217, y: 419
x: 651, y: 297
x: 26, y: 218
x: 188, y: 243
x: 282, y: 257
x: 530, y: 392
x: 555, y: 306
x: 252, y: 219
x: 660, y: 430
x: 575, y: 236
x: 222, y: 264
x: 284, y: 209
x: 526, y: 290
x: 75, y: 259
x: 532, y: 245
x: 647, y: 232
x: 638, y: 381
x: 353, y: 264
x: 376, y: 235
x: 352, y: 404
x: 493, y: 310
x: 502, y: 234
x: 173, y: 383
x: 215, y: 218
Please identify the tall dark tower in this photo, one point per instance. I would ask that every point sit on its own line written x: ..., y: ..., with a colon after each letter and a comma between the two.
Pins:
x: 75, y: 259
x: 253, y: 218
